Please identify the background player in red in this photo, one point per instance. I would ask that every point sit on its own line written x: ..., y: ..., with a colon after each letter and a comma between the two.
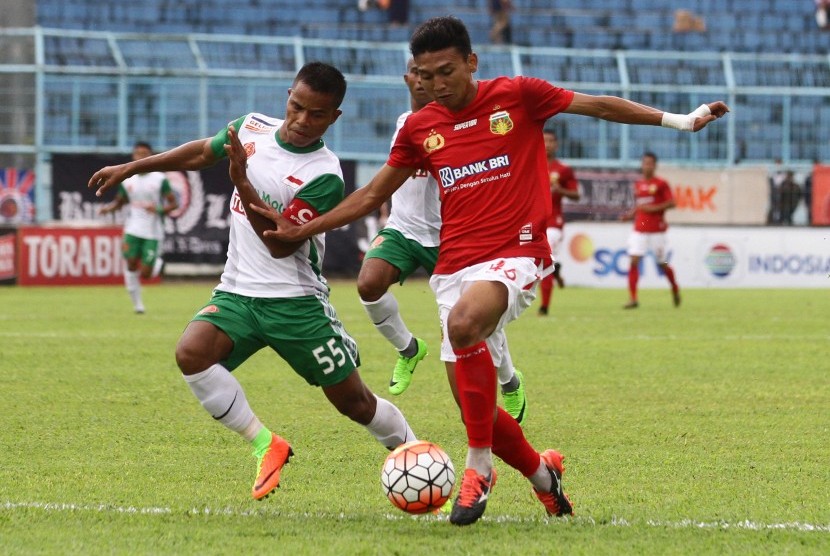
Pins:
x: 482, y: 140
x: 652, y: 198
x: 563, y: 183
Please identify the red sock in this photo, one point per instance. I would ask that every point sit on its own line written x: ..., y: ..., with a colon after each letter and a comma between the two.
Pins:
x: 510, y: 444
x: 475, y: 377
x: 667, y: 270
x: 547, y: 289
x: 633, y: 277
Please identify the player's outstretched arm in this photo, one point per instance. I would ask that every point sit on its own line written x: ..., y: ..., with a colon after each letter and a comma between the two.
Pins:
x: 624, y: 111
x: 355, y: 206
x: 194, y: 155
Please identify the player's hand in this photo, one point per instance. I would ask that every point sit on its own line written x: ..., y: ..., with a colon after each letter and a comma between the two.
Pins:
x: 238, y: 158
x: 106, y: 177
x: 286, y: 230
x: 718, y: 109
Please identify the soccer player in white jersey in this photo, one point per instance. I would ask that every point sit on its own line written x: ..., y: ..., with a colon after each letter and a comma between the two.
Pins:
x: 410, y: 240
x: 149, y: 198
x: 483, y: 140
x: 272, y: 293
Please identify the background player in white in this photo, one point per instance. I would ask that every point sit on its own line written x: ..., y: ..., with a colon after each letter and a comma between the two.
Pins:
x: 271, y: 292
x: 149, y: 198
x: 410, y: 240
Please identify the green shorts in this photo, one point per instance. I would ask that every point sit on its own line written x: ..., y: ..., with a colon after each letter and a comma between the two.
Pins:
x: 138, y: 247
x: 404, y: 254
x: 304, y: 331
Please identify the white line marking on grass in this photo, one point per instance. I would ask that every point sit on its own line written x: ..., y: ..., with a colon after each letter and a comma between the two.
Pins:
x: 743, y: 525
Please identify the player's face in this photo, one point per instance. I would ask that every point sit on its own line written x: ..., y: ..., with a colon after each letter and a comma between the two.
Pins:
x: 416, y: 90
x: 140, y: 152
x: 551, y: 145
x: 648, y: 165
x: 447, y: 76
x: 308, y: 114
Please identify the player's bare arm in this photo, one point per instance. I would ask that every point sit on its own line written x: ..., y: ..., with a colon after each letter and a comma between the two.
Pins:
x: 657, y: 207
x: 237, y: 171
x: 616, y: 109
x: 357, y: 205
x: 194, y: 155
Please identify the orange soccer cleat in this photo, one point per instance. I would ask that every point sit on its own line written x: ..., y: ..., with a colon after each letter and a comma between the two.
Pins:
x: 269, y: 467
x: 556, y: 501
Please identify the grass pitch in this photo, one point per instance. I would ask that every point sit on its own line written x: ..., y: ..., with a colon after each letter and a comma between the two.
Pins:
x: 703, y: 429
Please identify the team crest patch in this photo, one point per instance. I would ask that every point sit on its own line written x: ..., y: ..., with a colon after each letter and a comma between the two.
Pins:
x: 500, y: 122
x: 433, y: 142
x: 376, y: 242
x: 209, y: 309
x: 250, y: 149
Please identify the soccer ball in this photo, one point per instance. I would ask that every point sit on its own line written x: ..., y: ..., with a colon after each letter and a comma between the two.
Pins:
x: 418, y: 477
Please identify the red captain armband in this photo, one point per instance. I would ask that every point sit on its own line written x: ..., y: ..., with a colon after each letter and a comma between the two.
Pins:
x: 300, y: 212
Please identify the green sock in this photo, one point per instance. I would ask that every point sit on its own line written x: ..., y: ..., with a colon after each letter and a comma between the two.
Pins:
x: 261, y: 442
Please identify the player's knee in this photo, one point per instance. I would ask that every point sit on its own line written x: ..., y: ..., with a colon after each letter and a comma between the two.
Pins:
x: 358, y: 406
x: 463, y: 331
x: 189, y: 359
x: 370, y: 289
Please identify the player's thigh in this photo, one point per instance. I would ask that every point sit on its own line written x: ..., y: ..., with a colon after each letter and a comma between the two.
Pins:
x: 149, y: 252
x: 392, y: 247
x: 131, y: 247
x: 659, y: 246
x: 375, y: 277
x: 637, y: 244
x: 236, y: 317
x: 307, y: 334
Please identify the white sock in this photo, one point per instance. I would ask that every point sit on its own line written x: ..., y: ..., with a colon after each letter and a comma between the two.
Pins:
x: 157, y: 266
x: 133, y: 284
x: 480, y: 459
x: 505, y: 371
x: 389, y: 425
x: 222, y: 396
x: 541, y: 478
x: 386, y: 318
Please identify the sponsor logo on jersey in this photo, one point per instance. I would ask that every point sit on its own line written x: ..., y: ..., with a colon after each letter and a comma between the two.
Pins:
x: 433, y: 142
x: 292, y: 181
x: 450, y: 175
x: 500, y: 123
x: 258, y: 126
x: 465, y: 125
x: 526, y: 234
x: 236, y: 204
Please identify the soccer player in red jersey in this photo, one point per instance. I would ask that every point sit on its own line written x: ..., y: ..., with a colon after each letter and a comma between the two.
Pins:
x: 562, y: 184
x: 652, y: 197
x: 482, y: 140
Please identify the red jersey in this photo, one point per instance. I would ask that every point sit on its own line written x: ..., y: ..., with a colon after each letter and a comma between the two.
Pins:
x: 647, y: 192
x: 563, y: 176
x: 489, y: 160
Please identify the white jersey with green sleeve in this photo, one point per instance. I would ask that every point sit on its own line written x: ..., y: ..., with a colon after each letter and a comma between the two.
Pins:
x: 416, y: 206
x: 145, y: 196
x: 283, y: 175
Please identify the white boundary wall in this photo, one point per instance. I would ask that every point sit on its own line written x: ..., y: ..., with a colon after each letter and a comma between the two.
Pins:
x: 594, y: 255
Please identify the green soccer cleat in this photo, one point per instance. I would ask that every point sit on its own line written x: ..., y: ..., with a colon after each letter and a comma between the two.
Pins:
x: 515, y: 403
x: 402, y: 374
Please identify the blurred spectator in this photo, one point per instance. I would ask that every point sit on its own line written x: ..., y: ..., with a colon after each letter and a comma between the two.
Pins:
x: 823, y: 13
x: 687, y: 22
x: 398, y: 12
x: 776, y: 178
x: 790, y: 197
x: 501, y: 31
x: 808, y: 192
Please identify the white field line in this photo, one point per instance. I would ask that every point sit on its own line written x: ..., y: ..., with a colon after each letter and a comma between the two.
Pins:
x: 743, y: 525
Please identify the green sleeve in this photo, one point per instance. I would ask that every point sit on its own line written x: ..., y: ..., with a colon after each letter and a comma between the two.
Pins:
x: 217, y: 144
x: 165, y: 187
x: 122, y: 192
x: 323, y: 192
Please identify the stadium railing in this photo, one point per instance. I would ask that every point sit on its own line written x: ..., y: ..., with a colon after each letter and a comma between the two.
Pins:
x: 97, y: 92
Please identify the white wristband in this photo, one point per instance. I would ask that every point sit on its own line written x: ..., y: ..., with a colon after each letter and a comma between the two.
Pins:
x: 682, y: 122
x: 701, y: 111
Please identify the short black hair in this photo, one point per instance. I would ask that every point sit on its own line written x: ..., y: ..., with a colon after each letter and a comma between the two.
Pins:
x: 439, y: 33
x: 144, y: 144
x: 550, y: 131
x: 323, y: 78
x: 651, y: 155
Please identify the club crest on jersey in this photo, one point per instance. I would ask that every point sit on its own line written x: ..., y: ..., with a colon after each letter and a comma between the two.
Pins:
x: 250, y: 149
x: 433, y: 142
x: 500, y: 123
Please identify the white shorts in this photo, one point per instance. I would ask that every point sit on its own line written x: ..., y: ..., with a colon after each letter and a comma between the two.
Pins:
x: 520, y: 275
x: 555, y: 240
x: 640, y: 243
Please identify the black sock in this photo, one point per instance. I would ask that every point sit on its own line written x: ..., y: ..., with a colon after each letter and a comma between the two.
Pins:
x: 411, y: 349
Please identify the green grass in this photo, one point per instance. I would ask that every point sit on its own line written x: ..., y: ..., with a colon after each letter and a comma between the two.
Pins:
x: 699, y: 430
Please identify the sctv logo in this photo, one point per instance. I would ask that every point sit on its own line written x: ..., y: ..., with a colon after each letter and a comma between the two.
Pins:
x: 608, y: 261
